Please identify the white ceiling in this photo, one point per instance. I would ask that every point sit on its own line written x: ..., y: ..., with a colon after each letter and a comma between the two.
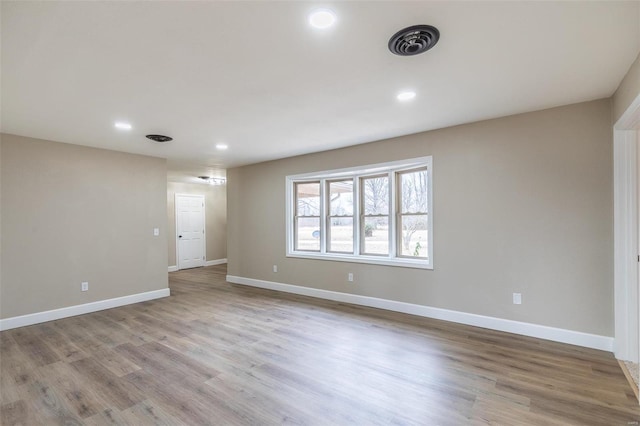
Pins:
x: 256, y: 76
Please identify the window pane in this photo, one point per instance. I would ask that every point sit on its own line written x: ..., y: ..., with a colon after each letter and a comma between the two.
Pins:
x: 414, y: 241
x: 308, y: 233
x: 341, y: 234
x: 341, y: 198
x: 376, y: 235
x: 414, y: 192
x: 376, y: 195
x: 308, y: 199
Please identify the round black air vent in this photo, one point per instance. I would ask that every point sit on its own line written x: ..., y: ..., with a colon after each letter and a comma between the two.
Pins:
x: 414, y: 40
x: 160, y: 138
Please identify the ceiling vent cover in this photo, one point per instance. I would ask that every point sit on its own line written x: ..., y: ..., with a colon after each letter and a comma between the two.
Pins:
x: 414, y: 40
x: 160, y: 138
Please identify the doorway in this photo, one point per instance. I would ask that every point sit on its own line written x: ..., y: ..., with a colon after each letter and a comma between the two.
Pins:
x: 190, y: 235
x: 626, y: 159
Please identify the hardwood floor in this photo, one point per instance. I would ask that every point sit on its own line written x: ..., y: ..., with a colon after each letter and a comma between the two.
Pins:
x: 217, y: 353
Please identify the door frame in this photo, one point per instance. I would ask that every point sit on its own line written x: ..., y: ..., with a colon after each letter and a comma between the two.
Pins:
x: 204, y: 227
x: 626, y: 234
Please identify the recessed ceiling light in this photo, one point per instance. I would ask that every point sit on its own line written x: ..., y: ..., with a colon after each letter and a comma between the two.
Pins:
x: 222, y: 146
x: 406, y: 96
x: 322, y: 18
x: 122, y: 125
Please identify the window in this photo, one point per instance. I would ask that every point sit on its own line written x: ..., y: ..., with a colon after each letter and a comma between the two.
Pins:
x: 413, y: 213
x: 340, y: 218
x: 307, y: 216
x: 375, y: 215
x: 378, y: 214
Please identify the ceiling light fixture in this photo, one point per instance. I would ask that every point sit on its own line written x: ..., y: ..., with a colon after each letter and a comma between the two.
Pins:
x: 406, y: 96
x: 322, y: 18
x: 213, y: 180
x: 122, y: 125
x: 222, y: 146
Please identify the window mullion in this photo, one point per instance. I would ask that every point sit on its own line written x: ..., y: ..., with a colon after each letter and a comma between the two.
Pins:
x: 393, y: 219
x: 357, y: 216
x: 324, y: 215
x: 324, y: 223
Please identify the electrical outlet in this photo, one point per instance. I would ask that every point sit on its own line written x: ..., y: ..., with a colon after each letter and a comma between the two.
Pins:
x: 84, y: 286
x: 156, y: 231
x: 275, y: 268
x: 350, y: 277
x: 517, y: 298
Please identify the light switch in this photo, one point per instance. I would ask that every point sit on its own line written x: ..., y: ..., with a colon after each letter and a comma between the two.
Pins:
x: 156, y: 232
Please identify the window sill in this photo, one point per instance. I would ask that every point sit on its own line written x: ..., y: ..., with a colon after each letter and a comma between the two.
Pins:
x: 373, y: 260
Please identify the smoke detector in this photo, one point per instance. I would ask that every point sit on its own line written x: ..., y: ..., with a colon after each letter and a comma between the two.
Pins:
x: 160, y: 138
x: 414, y: 40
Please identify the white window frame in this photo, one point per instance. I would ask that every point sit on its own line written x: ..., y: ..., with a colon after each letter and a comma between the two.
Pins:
x: 328, y: 216
x: 391, y: 168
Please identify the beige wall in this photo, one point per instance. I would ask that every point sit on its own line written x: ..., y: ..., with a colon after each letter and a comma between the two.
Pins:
x: 628, y: 90
x: 215, y: 218
x: 521, y: 204
x: 0, y: 225
x: 73, y: 214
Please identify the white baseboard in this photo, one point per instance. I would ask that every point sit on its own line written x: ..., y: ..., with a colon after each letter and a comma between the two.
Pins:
x: 174, y: 268
x: 526, y: 329
x: 38, y: 317
x: 215, y: 262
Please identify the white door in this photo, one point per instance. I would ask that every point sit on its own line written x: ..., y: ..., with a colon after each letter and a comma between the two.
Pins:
x: 190, y: 230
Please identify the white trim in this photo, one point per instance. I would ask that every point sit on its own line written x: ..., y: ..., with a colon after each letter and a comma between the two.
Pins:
x: 526, y: 329
x: 174, y: 268
x: 630, y: 119
x: 625, y: 245
x: 215, y: 262
x: 204, y: 227
x: 626, y: 211
x: 372, y: 260
x: 368, y: 169
x: 71, y: 311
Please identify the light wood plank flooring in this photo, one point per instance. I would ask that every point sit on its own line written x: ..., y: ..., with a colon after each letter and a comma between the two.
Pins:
x: 217, y: 353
